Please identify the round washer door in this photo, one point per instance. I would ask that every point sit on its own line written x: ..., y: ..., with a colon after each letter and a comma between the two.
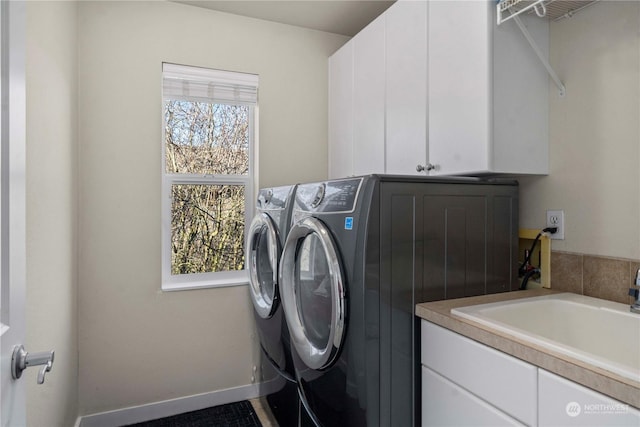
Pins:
x: 263, y: 256
x: 313, y: 294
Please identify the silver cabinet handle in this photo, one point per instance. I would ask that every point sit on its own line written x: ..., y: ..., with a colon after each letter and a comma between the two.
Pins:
x: 428, y: 167
x: 21, y: 360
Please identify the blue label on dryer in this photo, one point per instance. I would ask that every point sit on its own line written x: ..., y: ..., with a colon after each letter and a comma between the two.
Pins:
x: 348, y: 223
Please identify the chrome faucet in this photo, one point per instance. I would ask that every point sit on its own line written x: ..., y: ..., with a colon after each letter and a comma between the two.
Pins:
x: 635, y: 292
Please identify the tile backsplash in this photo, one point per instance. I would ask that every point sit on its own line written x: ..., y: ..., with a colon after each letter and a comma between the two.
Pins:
x: 600, y: 277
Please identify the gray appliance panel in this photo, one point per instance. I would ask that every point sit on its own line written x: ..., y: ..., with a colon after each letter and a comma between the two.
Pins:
x: 441, y: 241
x: 409, y: 240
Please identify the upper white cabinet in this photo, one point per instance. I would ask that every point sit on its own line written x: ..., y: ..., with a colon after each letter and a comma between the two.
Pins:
x: 460, y: 84
x: 488, y: 92
x: 438, y: 82
x: 406, y: 87
x: 341, y: 112
x: 368, y: 99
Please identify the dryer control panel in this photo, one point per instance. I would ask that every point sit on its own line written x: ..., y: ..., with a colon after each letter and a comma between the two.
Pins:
x: 328, y: 197
x: 274, y: 198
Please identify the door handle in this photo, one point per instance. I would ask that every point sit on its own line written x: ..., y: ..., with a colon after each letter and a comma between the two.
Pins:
x: 428, y: 167
x: 21, y: 360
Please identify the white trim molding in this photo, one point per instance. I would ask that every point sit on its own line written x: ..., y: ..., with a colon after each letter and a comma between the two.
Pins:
x: 167, y: 408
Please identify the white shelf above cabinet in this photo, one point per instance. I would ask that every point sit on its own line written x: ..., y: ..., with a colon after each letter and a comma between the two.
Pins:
x: 554, y: 10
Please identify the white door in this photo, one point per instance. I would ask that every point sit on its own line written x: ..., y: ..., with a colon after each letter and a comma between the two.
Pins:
x: 12, y: 207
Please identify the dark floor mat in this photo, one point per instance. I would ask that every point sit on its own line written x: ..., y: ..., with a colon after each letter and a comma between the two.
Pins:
x: 238, y: 414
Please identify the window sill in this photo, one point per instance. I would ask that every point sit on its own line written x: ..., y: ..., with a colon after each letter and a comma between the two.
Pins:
x: 239, y: 278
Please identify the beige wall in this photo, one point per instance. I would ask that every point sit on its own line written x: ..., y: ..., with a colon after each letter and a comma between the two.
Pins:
x: 138, y: 344
x: 52, y: 209
x: 594, y: 134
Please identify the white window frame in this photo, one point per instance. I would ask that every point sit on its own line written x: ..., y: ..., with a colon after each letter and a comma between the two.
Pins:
x: 228, y: 81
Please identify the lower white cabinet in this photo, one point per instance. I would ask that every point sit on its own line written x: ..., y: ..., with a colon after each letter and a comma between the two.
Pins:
x: 504, y: 383
x: 468, y: 383
x: 563, y: 402
x: 444, y: 403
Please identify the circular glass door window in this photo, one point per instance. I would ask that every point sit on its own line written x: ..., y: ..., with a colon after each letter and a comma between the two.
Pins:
x: 263, y: 256
x: 313, y: 297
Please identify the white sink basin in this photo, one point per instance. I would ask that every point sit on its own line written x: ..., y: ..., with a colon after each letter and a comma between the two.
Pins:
x: 599, y: 332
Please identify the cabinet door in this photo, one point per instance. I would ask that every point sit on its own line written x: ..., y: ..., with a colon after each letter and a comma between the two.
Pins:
x: 406, y: 87
x: 446, y: 404
x: 341, y: 112
x: 459, y: 37
x: 563, y: 402
x: 368, y: 98
x: 505, y: 382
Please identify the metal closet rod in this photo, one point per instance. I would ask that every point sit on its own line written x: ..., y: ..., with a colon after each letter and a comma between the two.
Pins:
x: 572, y: 12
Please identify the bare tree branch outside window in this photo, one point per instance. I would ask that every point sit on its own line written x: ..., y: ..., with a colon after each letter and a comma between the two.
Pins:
x: 207, y: 220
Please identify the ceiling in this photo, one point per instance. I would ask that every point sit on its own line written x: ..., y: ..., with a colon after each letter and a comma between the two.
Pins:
x: 345, y: 17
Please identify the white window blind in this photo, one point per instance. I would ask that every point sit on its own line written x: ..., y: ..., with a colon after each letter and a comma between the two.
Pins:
x: 205, y: 85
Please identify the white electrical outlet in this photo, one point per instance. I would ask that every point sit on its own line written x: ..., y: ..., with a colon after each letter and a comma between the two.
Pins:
x: 556, y: 219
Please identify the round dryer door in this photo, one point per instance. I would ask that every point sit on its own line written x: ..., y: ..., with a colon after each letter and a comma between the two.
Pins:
x: 263, y: 256
x: 313, y: 294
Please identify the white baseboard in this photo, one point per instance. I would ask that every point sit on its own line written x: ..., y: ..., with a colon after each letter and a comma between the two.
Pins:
x: 167, y: 408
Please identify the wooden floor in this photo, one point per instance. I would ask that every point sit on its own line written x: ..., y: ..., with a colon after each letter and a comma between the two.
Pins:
x: 264, y: 413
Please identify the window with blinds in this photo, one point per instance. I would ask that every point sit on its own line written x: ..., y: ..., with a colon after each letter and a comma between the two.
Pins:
x: 209, y: 119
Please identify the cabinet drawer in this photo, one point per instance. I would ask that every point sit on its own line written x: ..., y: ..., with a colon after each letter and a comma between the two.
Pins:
x: 503, y: 381
x: 446, y: 404
x: 563, y: 402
